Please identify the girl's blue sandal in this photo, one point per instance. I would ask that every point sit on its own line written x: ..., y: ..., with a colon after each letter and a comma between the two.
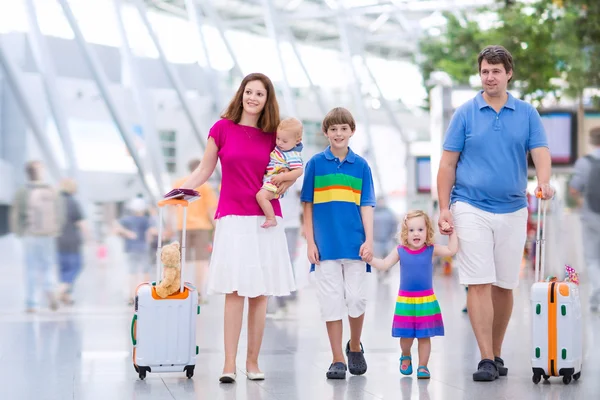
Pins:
x: 423, y: 372
x: 406, y: 370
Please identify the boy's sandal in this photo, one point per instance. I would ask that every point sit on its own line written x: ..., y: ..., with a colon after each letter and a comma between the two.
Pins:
x: 423, y: 372
x: 357, y: 365
x: 406, y: 369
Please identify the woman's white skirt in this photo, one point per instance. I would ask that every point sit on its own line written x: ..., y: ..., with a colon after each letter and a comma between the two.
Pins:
x: 250, y: 260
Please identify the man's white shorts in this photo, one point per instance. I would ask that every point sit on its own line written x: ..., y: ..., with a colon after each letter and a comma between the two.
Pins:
x: 490, y: 245
x: 341, y: 288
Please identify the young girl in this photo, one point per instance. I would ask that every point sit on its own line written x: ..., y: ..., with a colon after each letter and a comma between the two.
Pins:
x: 417, y: 312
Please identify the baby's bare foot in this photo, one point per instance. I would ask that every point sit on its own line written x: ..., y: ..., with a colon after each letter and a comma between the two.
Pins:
x: 269, y: 223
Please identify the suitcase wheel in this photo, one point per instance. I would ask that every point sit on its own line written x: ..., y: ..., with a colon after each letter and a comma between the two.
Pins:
x: 536, y: 378
x: 142, y: 372
x: 189, y: 371
x: 567, y: 379
x: 577, y: 375
x: 546, y: 377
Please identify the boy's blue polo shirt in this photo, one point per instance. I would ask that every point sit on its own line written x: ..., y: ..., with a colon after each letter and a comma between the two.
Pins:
x: 338, y: 190
x: 492, y: 167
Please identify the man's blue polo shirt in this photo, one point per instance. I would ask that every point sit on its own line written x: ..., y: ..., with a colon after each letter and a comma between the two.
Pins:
x: 492, y: 168
x: 338, y: 190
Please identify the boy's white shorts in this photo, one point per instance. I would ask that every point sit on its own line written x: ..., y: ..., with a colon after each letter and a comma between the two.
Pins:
x: 341, y: 288
x: 490, y: 245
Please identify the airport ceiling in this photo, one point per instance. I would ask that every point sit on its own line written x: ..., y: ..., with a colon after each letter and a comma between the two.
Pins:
x: 383, y: 28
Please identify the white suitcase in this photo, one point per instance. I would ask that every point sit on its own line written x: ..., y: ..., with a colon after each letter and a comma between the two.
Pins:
x: 557, y: 335
x: 163, y: 331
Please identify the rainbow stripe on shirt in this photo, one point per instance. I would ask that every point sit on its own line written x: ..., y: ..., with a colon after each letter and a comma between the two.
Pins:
x: 291, y: 159
x: 337, y: 187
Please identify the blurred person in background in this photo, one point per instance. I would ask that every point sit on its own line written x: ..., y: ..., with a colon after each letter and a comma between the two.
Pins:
x: 291, y: 209
x: 152, y: 235
x: 69, y: 243
x: 585, y: 187
x: 37, y: 216
x: 135, y: 228
x: 385, y: 226
x: 199, y: 230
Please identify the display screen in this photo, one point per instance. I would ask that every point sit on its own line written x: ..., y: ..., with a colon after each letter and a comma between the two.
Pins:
x: 559, y: 130
x: 423, y: 174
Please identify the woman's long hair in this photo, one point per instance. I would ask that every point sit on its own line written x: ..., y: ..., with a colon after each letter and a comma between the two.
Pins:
x: 269, y: 117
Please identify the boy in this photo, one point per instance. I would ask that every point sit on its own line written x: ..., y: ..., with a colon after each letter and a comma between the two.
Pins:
x: 285, y: 164
x: 338, y: 200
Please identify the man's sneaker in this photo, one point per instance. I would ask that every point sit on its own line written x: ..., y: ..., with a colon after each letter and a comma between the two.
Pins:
x: 486, y: 371
x: 502, y: 370
x: 337, y: 371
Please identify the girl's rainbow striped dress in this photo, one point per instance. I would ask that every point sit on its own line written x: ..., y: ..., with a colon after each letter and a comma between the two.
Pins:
x: 418, y: 313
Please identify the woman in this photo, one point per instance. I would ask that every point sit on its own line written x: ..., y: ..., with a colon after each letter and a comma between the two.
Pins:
x: 70, y: 241
x: 247, y: 260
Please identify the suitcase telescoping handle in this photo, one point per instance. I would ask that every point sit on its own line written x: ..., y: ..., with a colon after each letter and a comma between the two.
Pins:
x: 540, y: 241
x: 161, y: 205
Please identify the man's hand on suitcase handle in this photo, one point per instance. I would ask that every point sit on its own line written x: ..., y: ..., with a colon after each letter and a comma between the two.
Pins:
x: 544, y: 191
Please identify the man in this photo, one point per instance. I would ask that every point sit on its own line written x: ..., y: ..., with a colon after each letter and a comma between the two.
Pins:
x: 483, y: 175
x: 585, y: 186
x: 37, y: 216
x: 200, y: 220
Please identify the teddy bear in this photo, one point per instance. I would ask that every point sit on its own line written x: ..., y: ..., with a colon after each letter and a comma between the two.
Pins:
x: 170, y: 256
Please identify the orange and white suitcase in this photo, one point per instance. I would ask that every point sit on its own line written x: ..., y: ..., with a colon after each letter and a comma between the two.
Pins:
x: 557, y: 335
x: 163, y: 331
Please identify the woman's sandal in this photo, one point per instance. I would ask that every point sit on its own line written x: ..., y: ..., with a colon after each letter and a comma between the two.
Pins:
x: 406, y: 369
x: 423, y: 372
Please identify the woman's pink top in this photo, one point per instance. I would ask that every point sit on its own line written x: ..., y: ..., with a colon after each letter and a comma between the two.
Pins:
x: 244, y: 153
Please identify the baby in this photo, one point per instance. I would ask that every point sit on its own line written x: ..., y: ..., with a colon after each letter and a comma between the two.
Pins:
x: 285, y: 165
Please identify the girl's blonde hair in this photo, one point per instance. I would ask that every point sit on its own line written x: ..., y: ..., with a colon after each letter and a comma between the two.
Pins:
x: 403, y: 235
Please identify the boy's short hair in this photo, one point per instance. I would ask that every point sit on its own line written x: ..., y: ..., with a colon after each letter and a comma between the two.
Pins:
x: 338, y: 116
x: 595, y: 136
x: 293, y: 125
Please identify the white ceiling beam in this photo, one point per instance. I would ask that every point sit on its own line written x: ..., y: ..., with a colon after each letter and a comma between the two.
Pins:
x: 401, y: 41
x: 411, y: 6
x: 379, y: 22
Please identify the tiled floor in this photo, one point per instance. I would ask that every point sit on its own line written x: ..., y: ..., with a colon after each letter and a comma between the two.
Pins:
x: 84, y: 352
